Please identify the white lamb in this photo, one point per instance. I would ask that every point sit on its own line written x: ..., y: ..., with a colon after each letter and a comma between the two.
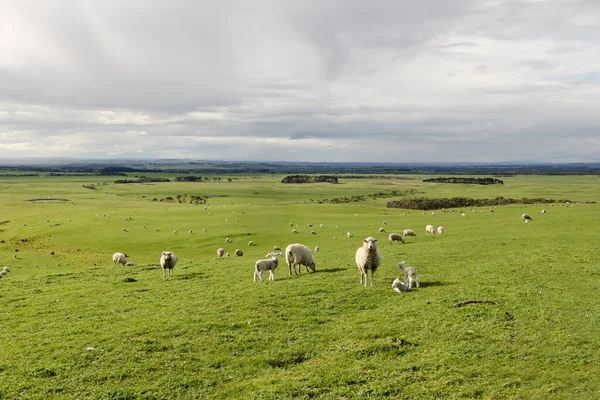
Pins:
x: 269, y: 264
x: 430, y: 229
x: 409, y: 232
x: 368, y: 259
x: 119, y: 258
x: 168, y: 259
x: 440, y: 229
x: 410, y: 275
x: 395, y: 237
x: 298, y: 254
x: 399, y: 286
x: 220, y: 252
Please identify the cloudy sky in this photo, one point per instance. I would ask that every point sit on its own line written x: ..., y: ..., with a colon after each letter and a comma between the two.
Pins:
x: 301, y: 80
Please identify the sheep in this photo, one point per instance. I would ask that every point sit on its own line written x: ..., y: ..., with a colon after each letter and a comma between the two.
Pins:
x: 409, y: 232
x: 399, y: 286
x: 276, y: 248
x: 168, y: 259
x: 543, y: 211
x: 191, y: 231
x: 251, y: 243
x: 227, y: 240
x: 385, y: 223
x: 3, y: 273
x: 348, y: 235
x: 125, y: 230
x: 317, y: 249
x: 294, y: 231
x: 174, y: 232
x: 321, y: 225
x: 291, y: 224
x: 220, y: 252
x: 381, y: 230
x: 227, y: 255
x: 119, y: 258
x: 440, y: 229
x: 313, y: 232
x: 266, y: 265
x: 309, y: 225
x: 6, y: 269
x: 410, y: 275
x: 395, y: 237
x: 368, y: 258
x: 430, y: 229
x: 526, y: 217
x: 298, y: 254
x: 239, y: 252
x: 128, y: 264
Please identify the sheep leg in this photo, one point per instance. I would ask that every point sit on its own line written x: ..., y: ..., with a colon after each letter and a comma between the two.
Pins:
x: 417, y: 281
x: 271, y: 275
x: 372, y: 272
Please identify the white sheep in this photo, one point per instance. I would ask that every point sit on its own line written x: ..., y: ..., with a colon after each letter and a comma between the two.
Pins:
x: 440, y: 229
x: 239, y: 252
x: 251, y: 243
x: 399, y: 286
x: 409, y: 232
x: 543, y: 211
x: 227, y: 240
x: 174, y: 232
x: 119, y: 258
x: 395, y: 237
x: 317, y: 249
x: 526, y: 217
x: 298, y: 254
x: 294, y: 231
x: 348, y: 235
x: 381, y: 230
x: 430, y: 229
x: 410, y: 275
x: 220, y: 252
x: 368, y: 259
x: 6, y: 269
x: 269, y: 264
x: 227, y: 255
x: 168, y: 259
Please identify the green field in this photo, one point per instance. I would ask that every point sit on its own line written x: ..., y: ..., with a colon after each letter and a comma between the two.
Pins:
x: 74, y: 326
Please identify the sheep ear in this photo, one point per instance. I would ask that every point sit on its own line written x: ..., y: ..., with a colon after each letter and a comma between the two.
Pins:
x: 365, y: 240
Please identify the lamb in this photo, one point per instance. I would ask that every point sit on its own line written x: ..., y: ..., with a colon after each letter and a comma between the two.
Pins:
x: 220, y: 252
x: 430, y: 229
x: 395, y: 237
x: 168, y: 259
x: 239, y: 252
x: 440, y: 229
x: 526, y: 217
x: 266, y: 265
x: 119, y: 258
x: 409, y: 232
x: 298, y: 254
x: 410, y: 275
x: 399, y: 286
x: 368, y: 258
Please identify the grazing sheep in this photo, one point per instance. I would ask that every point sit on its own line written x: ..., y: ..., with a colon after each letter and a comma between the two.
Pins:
x: 348, y: 235
x: 385, y: 223
x: 313, y: 232
x: 395, y: 237
x: 410, y: 275
x: 430, y: 229
x: 440, y: 229
x: 174, y: 232
x: 309, y: 225
x: 227, y: 255
x: 409, y: 232
x: 119, y: 258
x: 168, y: 259
x: 156, y: 229
x: 317, y: 249
x: 381, y: 230
x: 3, y: 273
x: 321, y: 225
x: 227, y: 240
x: 6, y: 269
x: 399, y: 286
x: 251, y: 243
x: 298, y: 254
x: 291, y: 224
x: 191, y: 231
x: 463, y: 215
x: 269, y: 264
x: 294, y: 231
x: 526, y: 217
x: 239, y: 252
x: 220, y: 252
x: 125, y: 230
x: 543, y: 211
x: 368, y: 259
x: 14, y: 256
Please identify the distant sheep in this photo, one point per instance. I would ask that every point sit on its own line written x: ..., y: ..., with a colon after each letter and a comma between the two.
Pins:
x: 298, y: 254
x: 174, y: 232
x: 294, y: 231
x: 227, y: 240
x: 368, y: 259
x: 276, y: 248
x: 543, y: 211
x: 239, y: 252
x: 395, y: 237
x: 227, y: 255
x: 251, y: 243
x: 525, y: 218
x: 348, y: 235
x: 430, y: 229
x: 410, y: 275
x: 269, y: 264
x: 129, y: 264
x: 6, y: 269
x: 168, y: 259
x: 317, y: 249
x: 220, y: 252
x: 313, y: 232
x: 381, y: 230
x: 119, y: 258
x: 440, y: 229
x: 409, y: 232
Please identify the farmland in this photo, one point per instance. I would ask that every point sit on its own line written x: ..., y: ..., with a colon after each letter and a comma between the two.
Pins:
x: 75, y: 326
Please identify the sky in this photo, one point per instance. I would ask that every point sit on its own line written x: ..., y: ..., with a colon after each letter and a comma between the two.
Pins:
x: 289, y: 80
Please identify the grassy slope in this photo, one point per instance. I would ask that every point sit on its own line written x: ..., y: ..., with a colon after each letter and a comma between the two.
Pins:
x: 210, y: 331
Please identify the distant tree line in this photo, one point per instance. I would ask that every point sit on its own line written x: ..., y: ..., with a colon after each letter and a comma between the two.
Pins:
x: 183, y: 198
x: 143, y: 179
x: 455, y: 179
x: 193, y: 178
x: 424, y: 203
x: 310, y: 179
x: 373, y: 196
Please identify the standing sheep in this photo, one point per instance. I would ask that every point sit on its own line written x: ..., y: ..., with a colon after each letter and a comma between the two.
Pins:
x: 440, y: 229
x: 168, y: 259
x: 298, y: 254
x: 368, y: 258
x: 220, y: 252
x: 395, y: 237
x: 119, y: 258
x: 430, y: 229
x: 266, y: 265
x: 410, y: 275
x: 526, y: 217
x: 409, y: 232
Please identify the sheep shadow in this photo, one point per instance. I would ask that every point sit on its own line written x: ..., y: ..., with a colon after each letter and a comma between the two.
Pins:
x: 330, y: 270
x: 435, y: 283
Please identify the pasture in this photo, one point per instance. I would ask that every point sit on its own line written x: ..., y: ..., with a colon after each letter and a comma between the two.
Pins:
x: 88, y: 329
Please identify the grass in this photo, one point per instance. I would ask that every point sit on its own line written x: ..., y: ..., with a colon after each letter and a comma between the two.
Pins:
x: 92, y: 330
